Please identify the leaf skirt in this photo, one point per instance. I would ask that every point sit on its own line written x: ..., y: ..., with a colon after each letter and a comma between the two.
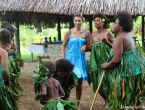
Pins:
x: 126, y: 81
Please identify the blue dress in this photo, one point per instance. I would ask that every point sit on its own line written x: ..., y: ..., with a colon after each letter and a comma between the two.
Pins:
x: 76, y: 56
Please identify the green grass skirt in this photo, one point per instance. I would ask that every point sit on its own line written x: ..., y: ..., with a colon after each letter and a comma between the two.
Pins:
x: 126, y: 81
x: 15, y: 73
x: 99, y: 54
x: 61, y: 105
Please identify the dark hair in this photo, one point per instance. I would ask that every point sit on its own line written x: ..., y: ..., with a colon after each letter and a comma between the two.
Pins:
x: 4, y: 24
x: 102, y: 16
x: 64, y: 65
x: 8, y: 26
x: 5, y: 36
x: 78, y: 14
x: 50, y: 65
x: 125, y: 20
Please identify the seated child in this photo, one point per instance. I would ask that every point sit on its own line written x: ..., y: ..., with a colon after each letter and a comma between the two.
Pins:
x: 65, y: 76
x: 49, y: 89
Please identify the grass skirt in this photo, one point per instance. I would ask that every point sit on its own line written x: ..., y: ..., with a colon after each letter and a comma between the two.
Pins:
x: 61, y: 105
x: 99, y: 54
x: 126, y: 81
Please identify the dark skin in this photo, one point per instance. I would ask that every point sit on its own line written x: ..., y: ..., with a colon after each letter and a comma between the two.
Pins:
x: 107, y: 37
x: 102, y: 34
x: 4, y: 62
x: 11, y: 48
x: 51, y: 89
x: 63, y: 74
x: 123, y: 42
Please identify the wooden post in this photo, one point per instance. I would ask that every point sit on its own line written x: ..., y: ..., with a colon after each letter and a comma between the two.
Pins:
x: 32, y: 56
x: 58, y: 28
x: 17, y: 38
x: 143, y: 43
x: 70, y: 22
x: 90, y: 23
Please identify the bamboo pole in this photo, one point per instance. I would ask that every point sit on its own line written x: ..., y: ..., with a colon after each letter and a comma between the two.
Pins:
x: 97, y: 90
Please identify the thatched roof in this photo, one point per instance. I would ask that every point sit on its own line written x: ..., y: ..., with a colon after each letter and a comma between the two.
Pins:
x: 47, y: 12
x: 68, y: 7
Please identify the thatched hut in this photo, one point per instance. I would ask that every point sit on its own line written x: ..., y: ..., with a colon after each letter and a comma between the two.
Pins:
x: 49, y: 12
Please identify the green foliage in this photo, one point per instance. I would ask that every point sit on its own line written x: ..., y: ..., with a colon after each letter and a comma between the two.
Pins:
x: 137, y: 27
x: 61, y: 105
x: 40, y: 76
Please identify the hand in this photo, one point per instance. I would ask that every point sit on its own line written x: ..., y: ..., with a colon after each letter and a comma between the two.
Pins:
x: 104, y: 65
x: 83, y: 49
x: 105, y: 40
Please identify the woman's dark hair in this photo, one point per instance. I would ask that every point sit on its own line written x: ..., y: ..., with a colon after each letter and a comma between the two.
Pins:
x: 5, y: 36
x: 64, y: 65
x: 50, y: 65
x: 78, y: 14
x: 8, y: 26
x: 125, y: 20
x: 102, y: 16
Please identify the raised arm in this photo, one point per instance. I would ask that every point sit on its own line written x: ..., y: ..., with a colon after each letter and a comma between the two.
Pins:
x: 118, y: 51
x: 109, y: 39
x: 64, y: 44
x: 4, y: 61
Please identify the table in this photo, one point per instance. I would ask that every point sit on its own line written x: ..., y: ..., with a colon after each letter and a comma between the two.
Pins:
x: 37, y: 48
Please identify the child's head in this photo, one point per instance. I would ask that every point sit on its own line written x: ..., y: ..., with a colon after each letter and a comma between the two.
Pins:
x: 63, y: 67
x: 50, y: 65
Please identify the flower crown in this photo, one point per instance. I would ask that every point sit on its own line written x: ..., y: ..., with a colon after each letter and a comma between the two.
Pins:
x: 103, y: 20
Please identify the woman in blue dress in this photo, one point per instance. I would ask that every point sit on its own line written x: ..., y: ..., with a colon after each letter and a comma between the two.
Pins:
x: 77, y: 41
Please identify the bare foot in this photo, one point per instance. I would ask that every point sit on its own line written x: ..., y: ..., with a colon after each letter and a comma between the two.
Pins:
x: 105, y: 106
x: 78, y: 107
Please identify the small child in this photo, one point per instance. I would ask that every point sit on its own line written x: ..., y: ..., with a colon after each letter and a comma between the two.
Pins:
x: 65, y: 76
x: 51, y: 88
x: 49, y: 91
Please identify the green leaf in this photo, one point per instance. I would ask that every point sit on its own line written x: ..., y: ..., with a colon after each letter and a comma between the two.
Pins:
x: 60, y: 106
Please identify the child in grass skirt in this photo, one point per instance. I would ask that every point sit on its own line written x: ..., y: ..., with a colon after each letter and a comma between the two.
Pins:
x: 48, y: 90
x: 125, y: 71
x: 65, y: 76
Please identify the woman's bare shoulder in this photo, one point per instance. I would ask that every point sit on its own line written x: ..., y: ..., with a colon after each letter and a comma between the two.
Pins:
x: 2, y: 50
x: 68, y: 31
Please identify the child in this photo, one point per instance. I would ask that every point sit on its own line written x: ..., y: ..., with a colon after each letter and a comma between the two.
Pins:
x: 65, y: 76
x: 51, y: 88
x: 48, y: 90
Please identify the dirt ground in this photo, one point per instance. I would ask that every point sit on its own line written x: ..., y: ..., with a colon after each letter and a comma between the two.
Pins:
x: 27, y: 101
